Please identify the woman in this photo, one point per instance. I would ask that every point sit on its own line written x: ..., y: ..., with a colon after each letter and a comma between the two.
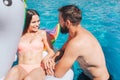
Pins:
x: 30, y: 48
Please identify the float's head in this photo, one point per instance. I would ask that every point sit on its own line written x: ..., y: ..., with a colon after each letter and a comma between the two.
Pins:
x: 11, y: 26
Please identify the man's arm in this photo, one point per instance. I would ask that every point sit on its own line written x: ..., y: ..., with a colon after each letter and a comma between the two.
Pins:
x: 58, y: 55
x: 60, y: 52
x: 67, y: 60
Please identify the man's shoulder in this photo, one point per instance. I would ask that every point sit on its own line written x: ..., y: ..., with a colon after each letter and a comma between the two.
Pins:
x: 77, y: 42
x: 73, y: 42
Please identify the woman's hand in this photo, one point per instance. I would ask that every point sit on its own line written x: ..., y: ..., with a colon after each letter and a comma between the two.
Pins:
x: 48, y: 64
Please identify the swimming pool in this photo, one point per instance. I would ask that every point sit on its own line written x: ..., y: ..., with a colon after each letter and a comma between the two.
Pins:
x: 100, y: 17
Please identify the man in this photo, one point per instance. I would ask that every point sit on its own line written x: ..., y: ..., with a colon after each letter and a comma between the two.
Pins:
x: 81, y: 46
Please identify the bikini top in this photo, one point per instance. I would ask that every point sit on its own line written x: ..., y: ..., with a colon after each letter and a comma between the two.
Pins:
x: 35, y: 45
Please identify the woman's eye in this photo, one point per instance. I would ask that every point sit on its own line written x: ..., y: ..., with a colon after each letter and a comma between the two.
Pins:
x: 7, y: 2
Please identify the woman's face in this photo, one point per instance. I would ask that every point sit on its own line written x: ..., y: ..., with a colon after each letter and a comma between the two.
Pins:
x: 34, y: 24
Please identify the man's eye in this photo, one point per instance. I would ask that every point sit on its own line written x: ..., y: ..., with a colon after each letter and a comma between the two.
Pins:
x: 7, y: 2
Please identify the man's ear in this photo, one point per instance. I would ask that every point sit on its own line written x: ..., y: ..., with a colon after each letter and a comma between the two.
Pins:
x: 68, y: 23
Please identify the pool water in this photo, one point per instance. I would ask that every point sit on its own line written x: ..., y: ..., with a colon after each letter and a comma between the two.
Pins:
x: 100, y: 17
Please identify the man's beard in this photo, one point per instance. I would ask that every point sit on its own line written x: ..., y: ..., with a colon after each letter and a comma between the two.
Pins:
x: 64, y: 30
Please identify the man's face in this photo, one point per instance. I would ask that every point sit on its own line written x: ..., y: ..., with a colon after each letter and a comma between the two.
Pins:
x: 64, y: 28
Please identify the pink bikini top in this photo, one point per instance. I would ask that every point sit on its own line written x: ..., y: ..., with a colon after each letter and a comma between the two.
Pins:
x: 35, y: 45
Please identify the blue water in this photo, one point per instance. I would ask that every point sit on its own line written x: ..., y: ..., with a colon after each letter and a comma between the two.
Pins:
x: 100, y: 17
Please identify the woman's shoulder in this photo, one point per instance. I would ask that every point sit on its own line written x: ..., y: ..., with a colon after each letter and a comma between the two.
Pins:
x: 42, y: 32
x: 23, y: 37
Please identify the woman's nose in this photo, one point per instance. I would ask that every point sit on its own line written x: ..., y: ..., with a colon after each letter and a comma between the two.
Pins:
x: 37, y: 23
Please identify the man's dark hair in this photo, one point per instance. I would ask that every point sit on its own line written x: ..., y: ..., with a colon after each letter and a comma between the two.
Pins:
x: 72, y: 13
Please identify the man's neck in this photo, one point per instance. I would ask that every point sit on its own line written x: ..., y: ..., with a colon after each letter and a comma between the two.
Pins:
x: 73, y: 30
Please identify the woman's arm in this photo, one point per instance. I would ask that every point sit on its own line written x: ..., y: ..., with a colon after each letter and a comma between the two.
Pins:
x: 48, y: 45
x: 47, y: 60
